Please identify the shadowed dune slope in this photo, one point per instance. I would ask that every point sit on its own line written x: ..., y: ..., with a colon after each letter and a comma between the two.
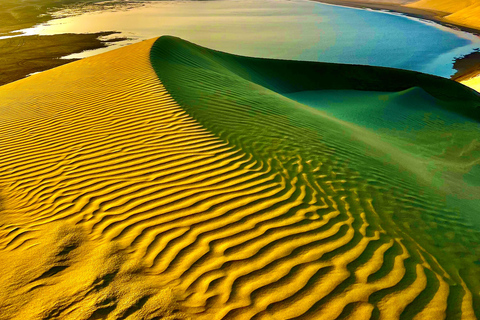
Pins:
x: 364, y: 223
x: 284, y: 76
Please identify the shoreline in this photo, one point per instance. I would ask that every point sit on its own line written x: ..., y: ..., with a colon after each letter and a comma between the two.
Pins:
x: 467, y: 66
x: 30, y: 54
x: 462, y: 74
x: 431, y: 15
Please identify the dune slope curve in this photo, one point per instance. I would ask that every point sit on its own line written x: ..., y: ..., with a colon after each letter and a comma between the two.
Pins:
x: 358, y: 220
x: 85, y: 150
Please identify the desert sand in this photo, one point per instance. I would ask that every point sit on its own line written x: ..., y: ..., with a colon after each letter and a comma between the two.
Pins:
x: 165, y: 180
x: 77, y: 142
x: 25, y: 55
x: 465, y: 12
x: 460, y: 13
x: 473, y: 83
x: 463, y: 15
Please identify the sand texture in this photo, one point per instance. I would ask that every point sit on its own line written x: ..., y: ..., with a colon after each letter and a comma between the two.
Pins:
x: 473, y: 83
x: 165, y: 180
x: 83, y: 147
x: 461, y: 12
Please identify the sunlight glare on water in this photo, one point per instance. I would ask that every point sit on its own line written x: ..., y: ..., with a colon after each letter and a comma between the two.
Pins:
x: 300, y: 30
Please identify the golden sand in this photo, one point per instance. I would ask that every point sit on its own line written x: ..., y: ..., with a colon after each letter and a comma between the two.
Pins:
x: 461, y: 12
x: 77, y: 143
x: 473, y: 83
x: 116, y: 204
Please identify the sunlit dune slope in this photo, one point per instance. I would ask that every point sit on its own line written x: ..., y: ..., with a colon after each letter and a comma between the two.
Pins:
x: 83, y: 147
x: 463, y: 12
x: 473, y: 83
x: 164, y: 180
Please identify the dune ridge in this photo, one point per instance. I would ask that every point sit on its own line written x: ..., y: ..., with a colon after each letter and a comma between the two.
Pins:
x: 164, y: 180
x: 102, y: 143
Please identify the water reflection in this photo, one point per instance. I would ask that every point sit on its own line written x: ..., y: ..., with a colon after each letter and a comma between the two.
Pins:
x: 284, y: 29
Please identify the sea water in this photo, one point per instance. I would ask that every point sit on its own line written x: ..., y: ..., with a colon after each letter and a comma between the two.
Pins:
x: 283, y: 29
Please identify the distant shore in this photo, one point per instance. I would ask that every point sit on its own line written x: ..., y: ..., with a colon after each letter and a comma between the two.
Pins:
x: 467, y: 67
x: 25, y: 55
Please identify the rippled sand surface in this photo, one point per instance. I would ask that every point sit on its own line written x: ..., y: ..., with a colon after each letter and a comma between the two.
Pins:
x: 460, y: 12
x: 167, y: 181
x: 81, y: 145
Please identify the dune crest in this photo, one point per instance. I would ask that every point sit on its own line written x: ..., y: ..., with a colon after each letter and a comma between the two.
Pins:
x: 364, y: 245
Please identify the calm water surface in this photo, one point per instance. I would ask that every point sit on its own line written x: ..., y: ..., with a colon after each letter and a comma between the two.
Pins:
x: 301, y: 30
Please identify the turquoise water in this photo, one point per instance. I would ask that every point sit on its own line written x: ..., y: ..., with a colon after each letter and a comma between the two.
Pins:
x: 377, y: 38
x: 295, y: 30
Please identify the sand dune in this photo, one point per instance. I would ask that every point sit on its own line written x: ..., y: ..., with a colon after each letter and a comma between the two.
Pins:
x: 473, y: 83
x: 462, y: 12
x: 380, y: 185
x: 210, y: 187
x: 80, y: 143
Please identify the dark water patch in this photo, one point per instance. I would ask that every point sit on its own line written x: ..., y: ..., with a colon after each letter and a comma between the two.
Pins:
x: 25, y: 55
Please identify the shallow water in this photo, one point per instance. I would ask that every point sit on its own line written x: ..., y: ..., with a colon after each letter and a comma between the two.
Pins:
x: 301, y: 30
